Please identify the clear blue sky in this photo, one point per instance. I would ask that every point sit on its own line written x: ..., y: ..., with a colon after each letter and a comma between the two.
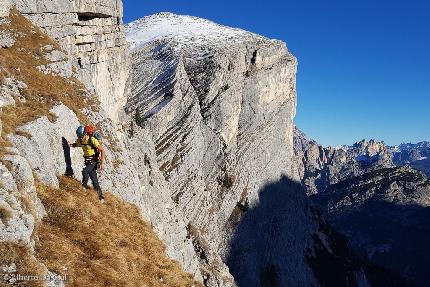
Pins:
x: 364, y: 66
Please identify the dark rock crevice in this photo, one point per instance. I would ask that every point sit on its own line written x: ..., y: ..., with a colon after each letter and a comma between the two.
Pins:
x: 88, y: 16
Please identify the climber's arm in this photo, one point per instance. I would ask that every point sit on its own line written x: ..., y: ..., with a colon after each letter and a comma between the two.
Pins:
x: 101, y: 156
x: 75, y: 144
x: 99, y: 146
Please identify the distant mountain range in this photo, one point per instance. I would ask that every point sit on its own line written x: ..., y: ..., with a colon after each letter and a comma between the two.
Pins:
x: 376, y: 195
x: 319, y: 167
x: 415, y: 155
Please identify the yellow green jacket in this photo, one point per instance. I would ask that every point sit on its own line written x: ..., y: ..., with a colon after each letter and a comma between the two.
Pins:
x: 89, y: 149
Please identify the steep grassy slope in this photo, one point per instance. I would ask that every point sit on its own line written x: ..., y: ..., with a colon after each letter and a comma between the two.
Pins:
x: 98, y: 244
x: 94, y: 244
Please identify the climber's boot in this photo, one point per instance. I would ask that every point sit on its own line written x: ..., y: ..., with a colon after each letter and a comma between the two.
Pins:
x: 101, y: 197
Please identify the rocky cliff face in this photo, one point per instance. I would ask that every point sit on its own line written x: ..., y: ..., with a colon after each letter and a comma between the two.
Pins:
x: 219, y: 103
x: 143, y: 157
x: 94, y: 48
x: 51, y: 106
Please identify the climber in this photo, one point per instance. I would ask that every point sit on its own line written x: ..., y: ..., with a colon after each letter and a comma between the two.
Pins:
x: 93, y: 156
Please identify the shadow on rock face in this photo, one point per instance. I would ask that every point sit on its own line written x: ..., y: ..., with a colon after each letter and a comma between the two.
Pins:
x: 268, y: 246
x: 282, y: 241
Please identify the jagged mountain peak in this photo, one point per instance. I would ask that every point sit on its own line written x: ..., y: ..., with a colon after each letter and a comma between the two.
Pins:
x: 374, y: 194
x: 185, y: 30
x: 370, y: 147
x: 365, y: 142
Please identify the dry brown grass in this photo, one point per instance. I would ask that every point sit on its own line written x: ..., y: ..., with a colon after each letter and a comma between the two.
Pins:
x: 102, y: 244
x: 117, y: 163
x: 7, y: 164
x: 43, y: 90
x: 3, y: 145
x: 23, y: 134
x: 25, y: 262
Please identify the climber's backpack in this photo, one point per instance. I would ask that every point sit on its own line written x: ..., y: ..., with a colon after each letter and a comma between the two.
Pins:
x: 96, y: 134
x: 98, y: 137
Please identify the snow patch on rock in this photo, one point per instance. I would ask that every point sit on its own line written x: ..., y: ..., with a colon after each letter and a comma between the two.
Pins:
x: 186, y: 30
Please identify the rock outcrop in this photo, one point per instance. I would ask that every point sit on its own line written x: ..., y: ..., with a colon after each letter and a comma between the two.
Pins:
x: 219, y: 104
x: 90, y: 34
x: 4, y: 8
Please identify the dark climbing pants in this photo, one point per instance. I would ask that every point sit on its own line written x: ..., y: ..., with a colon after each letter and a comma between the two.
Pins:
x: 90, y: 171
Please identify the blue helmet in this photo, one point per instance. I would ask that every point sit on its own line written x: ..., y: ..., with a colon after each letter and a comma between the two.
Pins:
x: 80, y: 132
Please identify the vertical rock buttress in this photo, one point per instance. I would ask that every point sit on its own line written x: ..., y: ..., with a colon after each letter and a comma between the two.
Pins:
x: 220, y: 108
x: 91, y: 35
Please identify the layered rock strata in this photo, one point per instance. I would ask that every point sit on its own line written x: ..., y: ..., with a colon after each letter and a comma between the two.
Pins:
x: 90, y: 34
x: 219, y: 103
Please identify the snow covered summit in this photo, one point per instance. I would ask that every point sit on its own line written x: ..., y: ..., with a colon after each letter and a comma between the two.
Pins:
x: 185, y: 30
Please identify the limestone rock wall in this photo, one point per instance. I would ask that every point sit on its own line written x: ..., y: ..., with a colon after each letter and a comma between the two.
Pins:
x: 220, y: 114
x: 90, y: 33
x: 218, y: 104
